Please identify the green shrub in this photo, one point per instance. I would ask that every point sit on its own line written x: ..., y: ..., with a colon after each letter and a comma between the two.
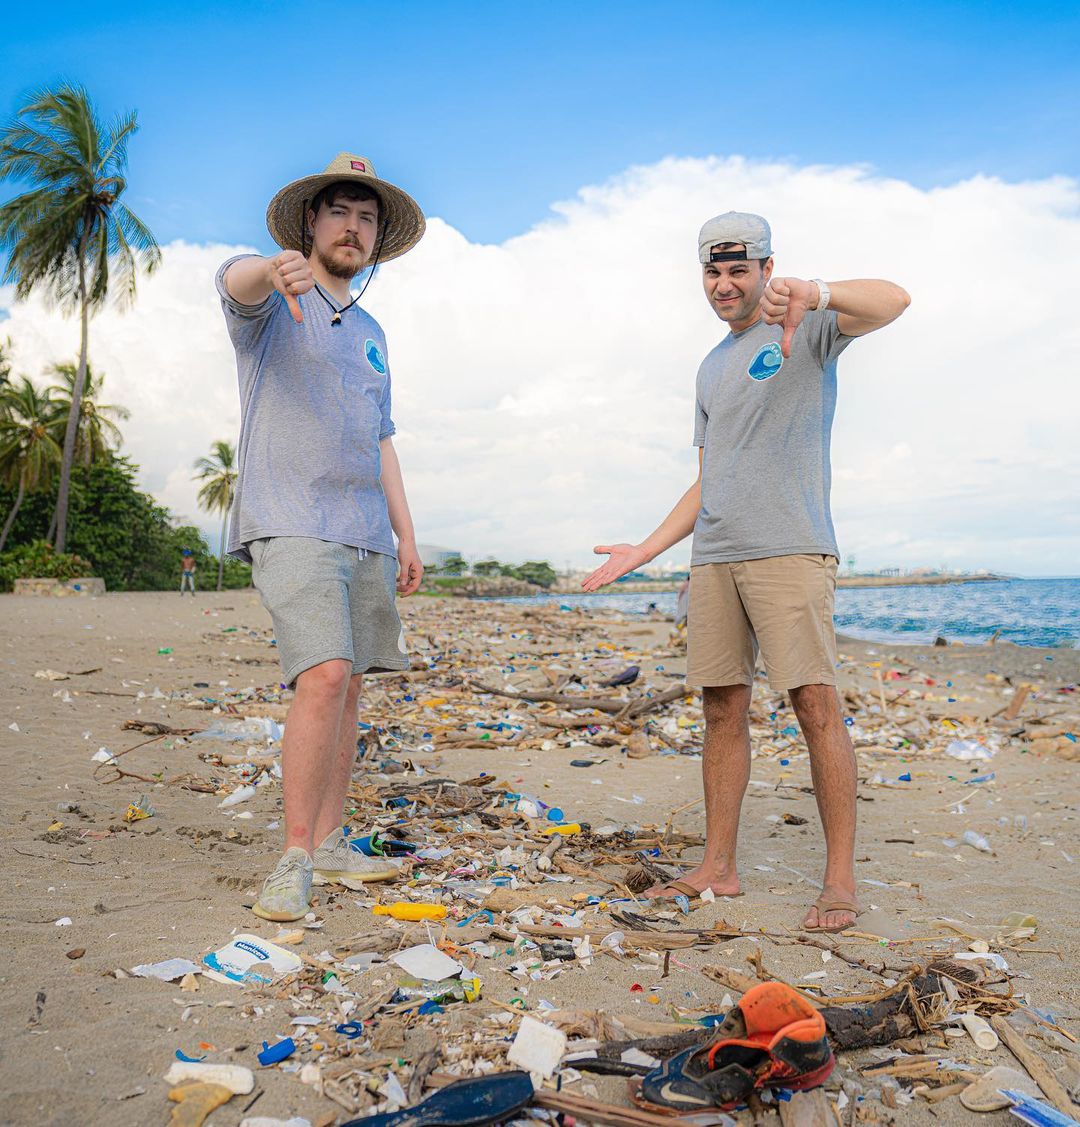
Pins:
x: 37, y: 560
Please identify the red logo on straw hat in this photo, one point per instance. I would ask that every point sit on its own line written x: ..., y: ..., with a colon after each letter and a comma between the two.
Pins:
x: 358, y: 165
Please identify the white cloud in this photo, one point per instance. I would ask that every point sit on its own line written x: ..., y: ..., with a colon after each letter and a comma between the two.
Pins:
x: 543, y: 387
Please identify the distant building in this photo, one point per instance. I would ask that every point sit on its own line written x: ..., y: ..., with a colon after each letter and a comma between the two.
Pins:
x: 433, y: 556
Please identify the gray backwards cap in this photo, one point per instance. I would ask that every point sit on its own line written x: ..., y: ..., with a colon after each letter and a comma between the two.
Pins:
x: 736, y: 227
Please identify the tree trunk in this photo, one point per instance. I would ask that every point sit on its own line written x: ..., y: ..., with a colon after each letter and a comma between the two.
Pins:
x: 71, y: 433
x: 221, y: 552
x: 14, y: 510
x: 51, y: 535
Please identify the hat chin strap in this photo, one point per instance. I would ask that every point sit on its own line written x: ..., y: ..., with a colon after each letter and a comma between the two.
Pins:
x: 374, y: 265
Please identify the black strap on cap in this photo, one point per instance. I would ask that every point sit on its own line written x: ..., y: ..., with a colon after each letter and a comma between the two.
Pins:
x: 727, y: 256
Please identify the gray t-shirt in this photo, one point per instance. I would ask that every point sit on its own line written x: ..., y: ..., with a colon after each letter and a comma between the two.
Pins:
x: 314, y: 406
x: 765, y: 424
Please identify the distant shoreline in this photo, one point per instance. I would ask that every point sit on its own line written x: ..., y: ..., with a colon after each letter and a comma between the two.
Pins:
x: 565, y: 587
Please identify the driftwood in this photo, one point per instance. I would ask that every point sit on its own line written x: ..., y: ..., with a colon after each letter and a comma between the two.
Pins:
x: 1036, y: 1067
x: 807, y: 1109
x: 593, y: 1111
x: 653, y: 940
x: 634, y: 706
x: 152, y: 728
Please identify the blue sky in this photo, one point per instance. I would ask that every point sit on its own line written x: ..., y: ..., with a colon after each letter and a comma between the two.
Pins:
x: 489, y: 112
x: 894, y: 141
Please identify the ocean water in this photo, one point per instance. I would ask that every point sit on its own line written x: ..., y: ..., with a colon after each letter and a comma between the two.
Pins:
x: 1029, y: 612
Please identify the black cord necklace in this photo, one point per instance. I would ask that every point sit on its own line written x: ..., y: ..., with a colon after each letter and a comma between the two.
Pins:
x: 336, y: 318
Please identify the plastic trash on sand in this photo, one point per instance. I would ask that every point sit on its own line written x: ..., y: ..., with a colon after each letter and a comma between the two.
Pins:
x: 238, y: 1079
x: 241, y: 794
x: 427, y: 962
x: 1029, y: 1110
x: 136, y: 811
x: 441, y: 991
x: 976, y: 841
x: 168, y: 970
x: 274, y: 1054
x: 253, y: 727
x: 270, y: 1121
x: 537, y: 1048
x: 1015, y: 920
x: 247, y: 958
x: 969, y: 749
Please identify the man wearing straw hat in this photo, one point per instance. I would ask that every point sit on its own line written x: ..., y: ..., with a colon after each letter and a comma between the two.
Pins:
x: 320, y: 494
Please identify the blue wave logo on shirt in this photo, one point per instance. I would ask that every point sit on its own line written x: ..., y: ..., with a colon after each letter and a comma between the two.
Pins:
x: 768, y: 360
x: 375, y: 357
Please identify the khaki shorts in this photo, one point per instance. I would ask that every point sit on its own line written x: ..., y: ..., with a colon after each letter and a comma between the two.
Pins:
x: 782, y: 605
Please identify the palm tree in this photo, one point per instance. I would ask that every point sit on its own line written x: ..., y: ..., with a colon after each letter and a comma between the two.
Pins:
x: 97, y: 433
x: 28, y: 452
x: 5, y: 363
x: 69, y: 234
x: 218, y: 474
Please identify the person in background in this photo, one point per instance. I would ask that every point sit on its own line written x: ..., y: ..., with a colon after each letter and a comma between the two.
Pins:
x: 187, y: 572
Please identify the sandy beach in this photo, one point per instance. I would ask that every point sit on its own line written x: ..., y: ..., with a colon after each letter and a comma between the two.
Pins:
x: 87, y: 1042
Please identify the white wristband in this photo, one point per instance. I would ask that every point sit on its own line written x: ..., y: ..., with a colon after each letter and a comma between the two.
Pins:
x: 823, y: 294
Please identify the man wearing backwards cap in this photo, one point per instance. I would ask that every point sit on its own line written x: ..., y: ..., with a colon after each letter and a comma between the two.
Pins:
x: 320, y: 494
x: 763, y: 567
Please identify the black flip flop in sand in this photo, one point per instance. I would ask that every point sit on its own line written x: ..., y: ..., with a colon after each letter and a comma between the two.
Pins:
x: 465, y: 1103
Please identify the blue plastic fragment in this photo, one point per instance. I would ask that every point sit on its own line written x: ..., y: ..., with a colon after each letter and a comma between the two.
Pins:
x: 1035, y: 1112
x: 485, y: 912
x: 190, y: 1060
x: 981, y: 779
x: 905, y: 777
x: 272, y: 1054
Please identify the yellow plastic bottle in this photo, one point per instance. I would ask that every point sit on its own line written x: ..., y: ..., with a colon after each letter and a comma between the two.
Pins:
x: 403, y: 910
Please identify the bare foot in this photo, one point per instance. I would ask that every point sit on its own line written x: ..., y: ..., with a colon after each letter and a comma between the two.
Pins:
x: 838, y: 918
x: 723, y: 882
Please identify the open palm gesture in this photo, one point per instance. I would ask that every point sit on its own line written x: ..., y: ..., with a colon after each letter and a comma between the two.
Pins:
x: 622, y: 558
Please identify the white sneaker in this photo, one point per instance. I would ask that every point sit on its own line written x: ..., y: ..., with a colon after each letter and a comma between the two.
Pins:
x: 286, y: 892
x: 334, y: 860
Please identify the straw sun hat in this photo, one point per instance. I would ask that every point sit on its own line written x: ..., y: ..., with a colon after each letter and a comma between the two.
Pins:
x: 400, y: 216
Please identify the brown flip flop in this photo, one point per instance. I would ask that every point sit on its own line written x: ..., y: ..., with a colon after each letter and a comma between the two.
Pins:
x: 824, y: 906
x: 682, y: 887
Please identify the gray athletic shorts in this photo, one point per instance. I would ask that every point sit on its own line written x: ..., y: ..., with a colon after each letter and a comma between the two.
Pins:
x: 329, y: 601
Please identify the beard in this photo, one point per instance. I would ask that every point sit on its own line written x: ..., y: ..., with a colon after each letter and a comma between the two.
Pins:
x: 336, y: 267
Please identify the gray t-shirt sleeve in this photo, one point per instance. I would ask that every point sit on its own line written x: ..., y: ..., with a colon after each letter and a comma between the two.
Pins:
x: 386, y: 422
x: 701, y: 415
x: 236, y: 315
x: 823, y: 336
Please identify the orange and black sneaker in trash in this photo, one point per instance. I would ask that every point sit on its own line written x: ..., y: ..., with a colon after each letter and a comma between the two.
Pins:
x: 773, y: 1038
